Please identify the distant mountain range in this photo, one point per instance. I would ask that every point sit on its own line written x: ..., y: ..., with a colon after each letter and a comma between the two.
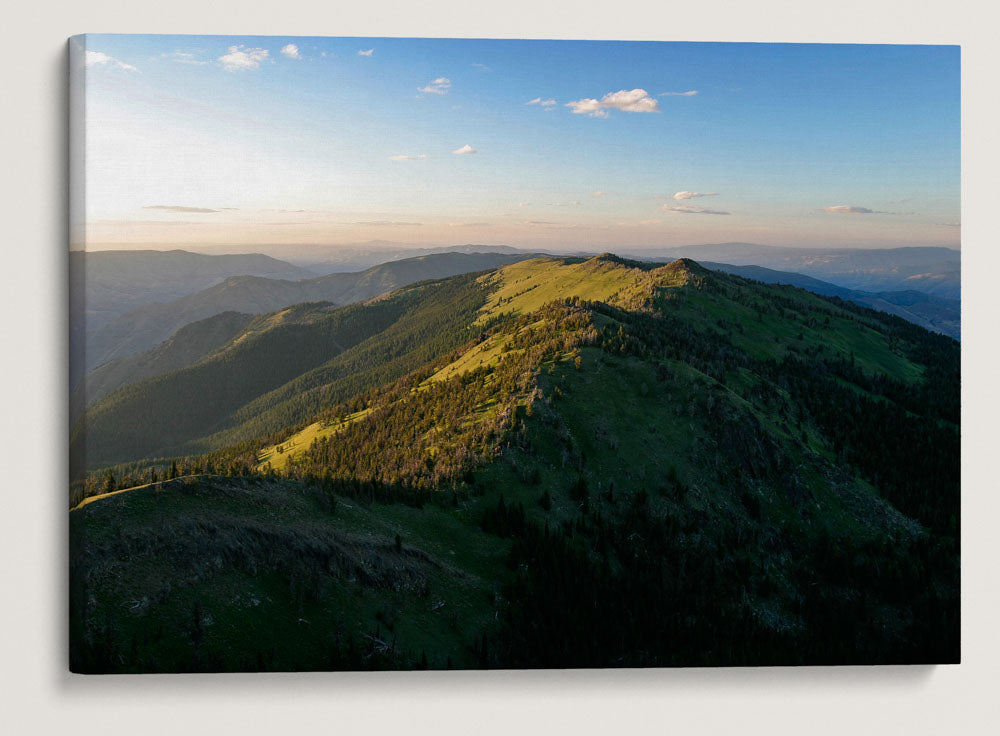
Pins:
x: 933, y: 270
x: 930, y: 270
x: 150, y: 324
x: 935, y: 313
x: 104, y: 285
x: 324, y: 259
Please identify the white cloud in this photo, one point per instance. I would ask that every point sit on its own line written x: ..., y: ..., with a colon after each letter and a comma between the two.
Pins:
x: 408, y: 157
x: 389, y: 223
x: 183, y: 57
x: 689, y: 93
x: 635, y: 100
x: 588, y: 106
x: 291, y: 51
x: 539, y: 101
x: 241, y: 58
x: 843, y: 209
x: 439, y: 86
x: 464, y: 150
x: 687, y: 209
x: 694, y: 195
x: 366, y: 52
x: 99, y: 58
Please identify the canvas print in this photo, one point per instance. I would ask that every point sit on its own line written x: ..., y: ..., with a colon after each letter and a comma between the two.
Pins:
x: 399, y: 354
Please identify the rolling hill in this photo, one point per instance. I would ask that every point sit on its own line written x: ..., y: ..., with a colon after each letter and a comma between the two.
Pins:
x: 186, y: 347
x: 150, y: 324
x: 561, y: 462
x: 104, y: 285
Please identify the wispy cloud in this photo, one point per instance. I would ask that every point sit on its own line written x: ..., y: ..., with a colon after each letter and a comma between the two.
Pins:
x: 640, y: 223
x: 366, y: 52
x: 180, y: 208
x: 843, y: 209
x: 241, y: 58
x: 689, y: 93
x: 552, y: 225
x: 694, y: 195
x: 183, y: 57
x: 439, y: 86
x: 465, y: 150
x: 539, y: 101
x: 99, y: 58
x: 598, y: 194
x: 408, y: 157
x: 480, y: 67
x: 291, y: 51
x: 635, y: 100
x: 687, y: 209
x: 389, y: 223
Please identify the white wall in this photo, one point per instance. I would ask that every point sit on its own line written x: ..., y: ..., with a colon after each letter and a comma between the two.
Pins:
x: 37, y: 695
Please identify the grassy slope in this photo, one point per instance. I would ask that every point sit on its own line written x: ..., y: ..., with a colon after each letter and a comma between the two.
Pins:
x: 231, y: 575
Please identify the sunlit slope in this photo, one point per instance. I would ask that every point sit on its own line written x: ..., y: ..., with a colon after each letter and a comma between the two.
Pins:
x: 518, y: 289
x: 527, y: 286
x: 769, y: 323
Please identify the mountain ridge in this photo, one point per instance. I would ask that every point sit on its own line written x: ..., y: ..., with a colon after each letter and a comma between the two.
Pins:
x: 703, y: 469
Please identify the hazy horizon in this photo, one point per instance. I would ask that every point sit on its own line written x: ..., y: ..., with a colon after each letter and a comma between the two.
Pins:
x: 250, y: 142
x: 244, y: 248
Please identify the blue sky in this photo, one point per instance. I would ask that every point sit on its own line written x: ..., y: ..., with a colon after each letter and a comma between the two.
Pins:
x: 562, y: 143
